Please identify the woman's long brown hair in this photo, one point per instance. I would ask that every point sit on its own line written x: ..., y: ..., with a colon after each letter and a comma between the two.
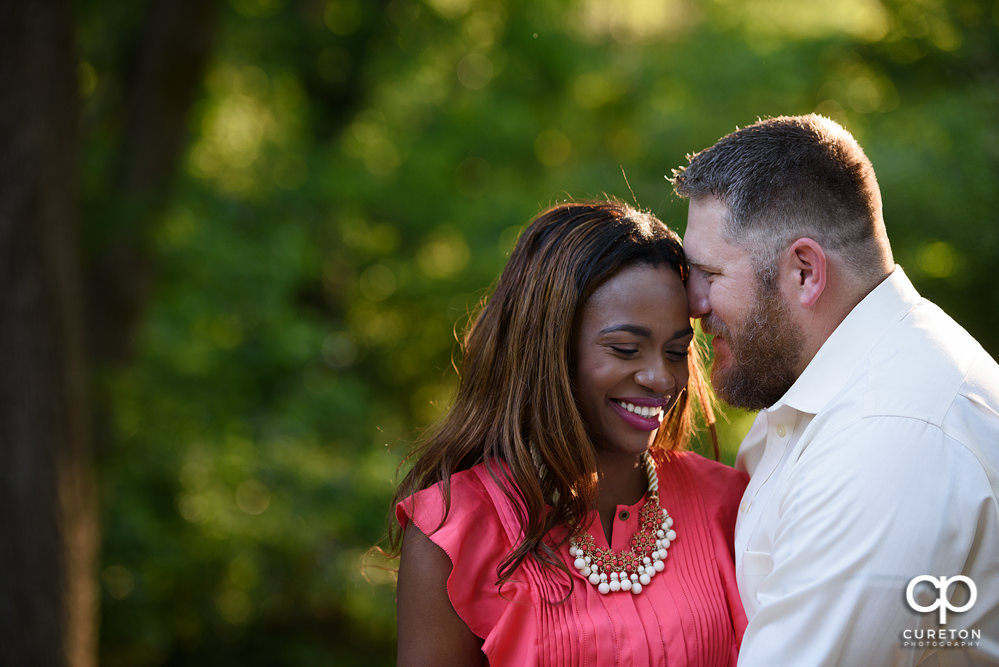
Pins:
x: 516, y: 389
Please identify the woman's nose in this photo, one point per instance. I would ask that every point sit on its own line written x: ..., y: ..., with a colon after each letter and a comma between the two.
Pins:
x: 656, y: 378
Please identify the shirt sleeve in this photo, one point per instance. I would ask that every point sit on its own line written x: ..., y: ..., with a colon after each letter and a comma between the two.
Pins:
x: 860, y: 514
x: 471, y: 537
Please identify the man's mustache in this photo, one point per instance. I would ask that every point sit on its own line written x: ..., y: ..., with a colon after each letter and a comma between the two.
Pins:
x: 712, y: 326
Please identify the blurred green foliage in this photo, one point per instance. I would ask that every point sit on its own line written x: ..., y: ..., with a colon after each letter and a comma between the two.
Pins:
x: 356, y: 175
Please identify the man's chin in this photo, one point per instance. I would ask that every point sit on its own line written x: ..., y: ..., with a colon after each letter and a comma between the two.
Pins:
x: 727, y: 387
x: 719, y: 380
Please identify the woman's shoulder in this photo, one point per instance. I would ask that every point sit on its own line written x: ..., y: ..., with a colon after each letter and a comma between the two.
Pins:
x: 474, y: 534
x: 473, y: 499
x: 463, y: 491
x: 710, y: 478
x: 701, y: 465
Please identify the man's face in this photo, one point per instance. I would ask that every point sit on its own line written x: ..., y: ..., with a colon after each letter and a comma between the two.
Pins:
x: 757, y: 344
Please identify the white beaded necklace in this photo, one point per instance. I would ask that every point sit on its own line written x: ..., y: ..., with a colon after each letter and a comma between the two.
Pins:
x: 633, y: 568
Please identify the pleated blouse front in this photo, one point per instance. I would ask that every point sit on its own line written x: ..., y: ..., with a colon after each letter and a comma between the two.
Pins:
x: 690, y: 614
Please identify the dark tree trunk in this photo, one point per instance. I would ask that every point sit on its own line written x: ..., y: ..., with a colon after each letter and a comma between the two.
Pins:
x: 48, y: 525
x: 49, y: 533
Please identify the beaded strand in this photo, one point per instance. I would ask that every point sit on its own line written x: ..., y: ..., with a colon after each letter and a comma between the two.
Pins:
x: 633, y: 568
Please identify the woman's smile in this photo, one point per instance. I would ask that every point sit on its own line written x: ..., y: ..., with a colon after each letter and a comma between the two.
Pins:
x: 631, y: 356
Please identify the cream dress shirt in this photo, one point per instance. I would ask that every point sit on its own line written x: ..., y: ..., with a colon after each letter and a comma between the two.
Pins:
x: 877, y: 466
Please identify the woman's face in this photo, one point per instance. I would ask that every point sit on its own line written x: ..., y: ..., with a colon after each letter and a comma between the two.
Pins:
x: 631, y: 356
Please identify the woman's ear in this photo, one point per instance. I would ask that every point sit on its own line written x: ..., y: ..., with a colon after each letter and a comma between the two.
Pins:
x: 808, y: 268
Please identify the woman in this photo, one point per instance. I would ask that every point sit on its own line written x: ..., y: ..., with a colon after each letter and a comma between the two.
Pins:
x: 552, y: 518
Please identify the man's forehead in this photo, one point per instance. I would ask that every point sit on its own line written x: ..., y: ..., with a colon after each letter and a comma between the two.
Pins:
x: 704, y: 240
x: 708, y: 210
x: 704, y: 224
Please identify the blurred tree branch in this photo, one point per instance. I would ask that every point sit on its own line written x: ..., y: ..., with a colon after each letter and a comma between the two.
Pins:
x: 163, y: 75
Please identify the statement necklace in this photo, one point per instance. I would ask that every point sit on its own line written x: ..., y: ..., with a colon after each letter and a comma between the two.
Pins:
x: 633, y: 568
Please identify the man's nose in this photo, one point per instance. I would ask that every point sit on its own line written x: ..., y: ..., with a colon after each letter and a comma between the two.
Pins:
x: 697, y: 294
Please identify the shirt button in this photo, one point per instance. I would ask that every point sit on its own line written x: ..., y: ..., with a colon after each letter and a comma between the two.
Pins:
x: 624, y: 515
x: 744, y: 507
x: 781, y: 430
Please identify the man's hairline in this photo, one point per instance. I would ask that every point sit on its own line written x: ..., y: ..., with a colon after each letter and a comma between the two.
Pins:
x: 726, y: 228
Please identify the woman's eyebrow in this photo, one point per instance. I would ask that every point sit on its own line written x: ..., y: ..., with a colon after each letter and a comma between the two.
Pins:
x: 643, y: 331
x: 628, y: 328
x: 683, y: 333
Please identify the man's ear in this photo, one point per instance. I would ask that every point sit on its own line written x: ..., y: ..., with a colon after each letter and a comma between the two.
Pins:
x: 807, y: 266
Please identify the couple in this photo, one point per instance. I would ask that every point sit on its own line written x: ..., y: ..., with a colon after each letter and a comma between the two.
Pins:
x: 554, y: 518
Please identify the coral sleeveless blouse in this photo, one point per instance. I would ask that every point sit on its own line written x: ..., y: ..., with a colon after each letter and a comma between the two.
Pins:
x: 690, y: 614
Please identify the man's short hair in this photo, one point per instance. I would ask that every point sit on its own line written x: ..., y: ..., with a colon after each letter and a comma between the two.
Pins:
x: 790, y: 177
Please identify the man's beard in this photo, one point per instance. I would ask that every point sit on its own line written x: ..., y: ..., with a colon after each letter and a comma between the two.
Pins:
x: 764, y: 353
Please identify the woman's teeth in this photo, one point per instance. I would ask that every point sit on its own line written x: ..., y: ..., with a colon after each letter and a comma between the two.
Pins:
x: 643, y: 410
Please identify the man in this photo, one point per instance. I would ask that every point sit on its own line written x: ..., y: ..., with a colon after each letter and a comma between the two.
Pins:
x: 874, y: 459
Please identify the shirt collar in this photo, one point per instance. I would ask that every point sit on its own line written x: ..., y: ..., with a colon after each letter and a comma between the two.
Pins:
x: 849, y: 344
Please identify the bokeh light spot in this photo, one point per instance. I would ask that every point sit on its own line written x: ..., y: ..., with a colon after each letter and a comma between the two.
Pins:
x: 593, y: 90
x: 552, y: 148
x: 368, y: 141
x: 193, y: 507
x: 632, y: 20
x: 450, y: 9
x: 86, y: 77
x: 253, y: 497
x: 474, y: 71
x: 342, y: 17
x: 863, y: 95
x: 443, y: 256
x: 339, y: 350
x: 234, y: 606
x: 377, y: 282
x: 118, y: 581
x: 937, y: 259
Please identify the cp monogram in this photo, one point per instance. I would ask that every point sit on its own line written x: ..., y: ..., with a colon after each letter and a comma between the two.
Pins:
x: 943, y: 599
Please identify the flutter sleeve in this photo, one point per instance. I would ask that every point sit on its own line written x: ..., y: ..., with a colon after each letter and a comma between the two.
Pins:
x: 472, y: 536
